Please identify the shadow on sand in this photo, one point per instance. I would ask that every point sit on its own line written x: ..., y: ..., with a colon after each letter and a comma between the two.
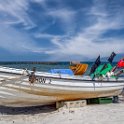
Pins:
x: 27, y: 110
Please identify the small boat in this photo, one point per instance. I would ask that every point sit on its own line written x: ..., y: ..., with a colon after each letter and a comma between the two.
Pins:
x: 19, y: 87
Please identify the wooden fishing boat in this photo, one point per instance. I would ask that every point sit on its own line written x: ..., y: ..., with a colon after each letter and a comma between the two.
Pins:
x: 17, y: 90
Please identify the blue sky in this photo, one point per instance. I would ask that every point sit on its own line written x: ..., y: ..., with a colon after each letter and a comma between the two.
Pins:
x: 60, y: 30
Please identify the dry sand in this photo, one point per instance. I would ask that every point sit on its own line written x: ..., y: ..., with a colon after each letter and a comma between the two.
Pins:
x: 91, y: 114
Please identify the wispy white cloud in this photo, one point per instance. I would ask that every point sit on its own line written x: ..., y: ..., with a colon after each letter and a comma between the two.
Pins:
x: 14, y: 41
x: 89, y: 42
x: 44, y: 35
x: 63, y: 14
x: 15, y: 12
x: 66, y: 18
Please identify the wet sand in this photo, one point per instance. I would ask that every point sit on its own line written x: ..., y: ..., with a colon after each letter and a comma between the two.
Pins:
x: 91, y: 114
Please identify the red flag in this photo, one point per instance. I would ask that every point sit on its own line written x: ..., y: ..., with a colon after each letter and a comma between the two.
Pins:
x: 121, y: 63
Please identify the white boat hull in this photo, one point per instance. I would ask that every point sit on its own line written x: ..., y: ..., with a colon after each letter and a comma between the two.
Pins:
x: 51, y: 88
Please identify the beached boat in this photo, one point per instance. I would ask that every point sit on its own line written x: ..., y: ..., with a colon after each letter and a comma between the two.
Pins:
x: 17, y: 90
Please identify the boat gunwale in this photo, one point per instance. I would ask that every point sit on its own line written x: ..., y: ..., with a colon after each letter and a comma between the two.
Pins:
x: 70, y: 79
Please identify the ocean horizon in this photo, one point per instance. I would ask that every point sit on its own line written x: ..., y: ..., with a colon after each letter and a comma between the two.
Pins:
x: 43, y: 66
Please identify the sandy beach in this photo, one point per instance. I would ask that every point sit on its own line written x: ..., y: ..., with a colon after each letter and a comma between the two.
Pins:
x: 112, y: 113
